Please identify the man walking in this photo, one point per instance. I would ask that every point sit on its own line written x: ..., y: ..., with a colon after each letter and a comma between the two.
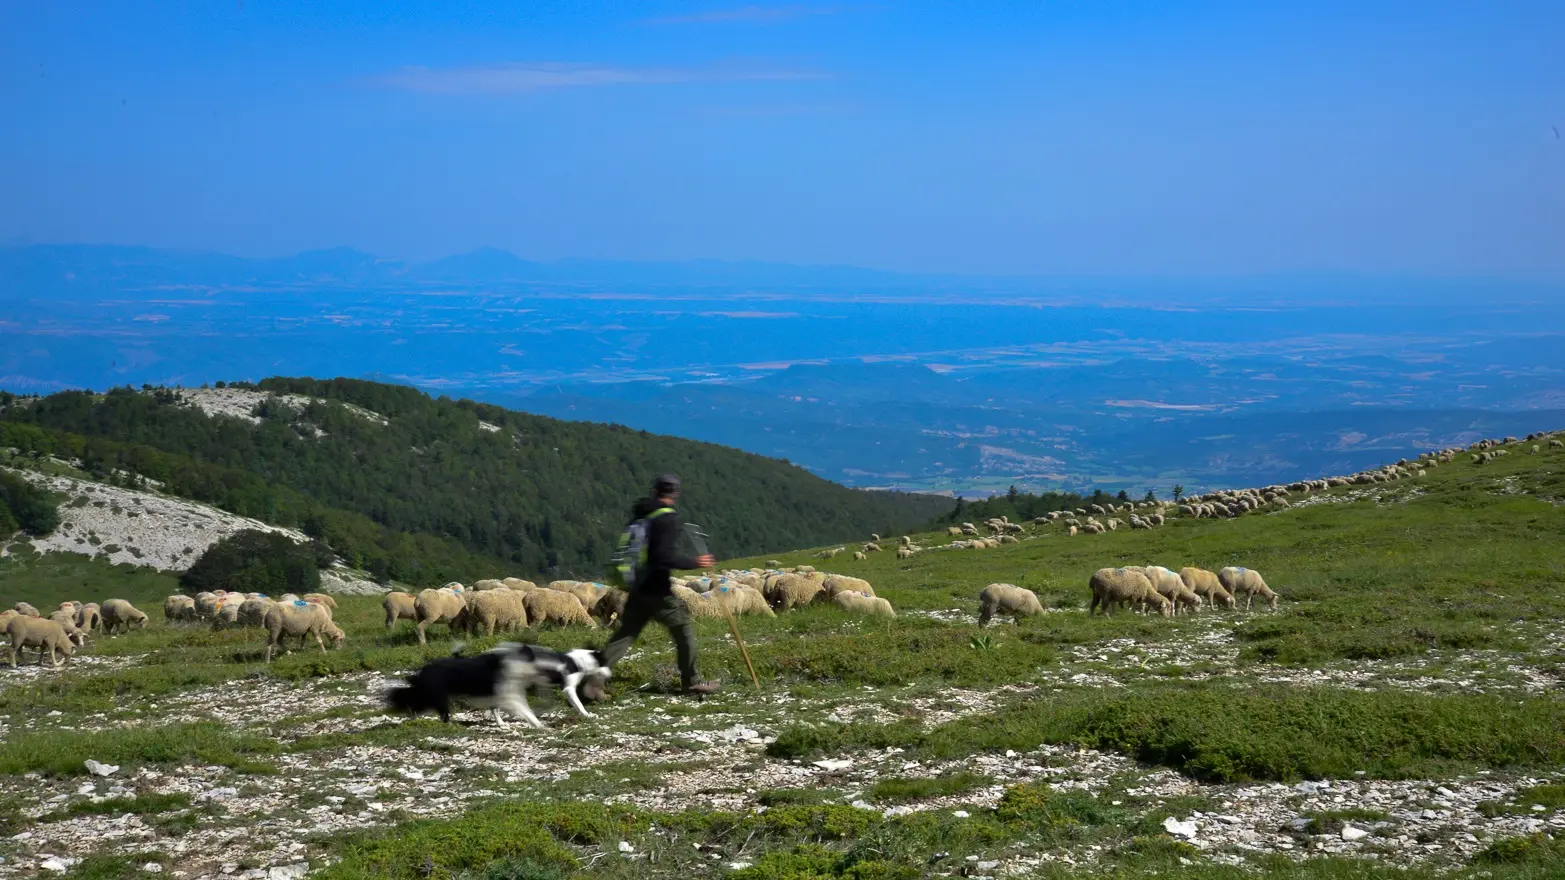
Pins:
x: 652, y: 596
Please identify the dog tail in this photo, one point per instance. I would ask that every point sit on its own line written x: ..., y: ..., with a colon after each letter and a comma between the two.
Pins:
x: 457, y: 648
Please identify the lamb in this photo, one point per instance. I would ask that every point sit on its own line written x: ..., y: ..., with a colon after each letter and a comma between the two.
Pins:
x: 1204, y: 583
x: 179, y: 607
x: 1073, y: 531
x: 117, y: 613
x: 1248, y: 583
x: 302, y: 619
x: 489, y: 610
x: 321, y: 599
x: 554, y: 606
x: 89, y: 617
x: 252, y: 612
x: 47, y: 636
x: 1120, y: 586
x: 27, y: 610
x: 1006, y: 599
x: 787, y: 591
x: 67, y: 621
x: 436, y: 606
x: 858, y: 603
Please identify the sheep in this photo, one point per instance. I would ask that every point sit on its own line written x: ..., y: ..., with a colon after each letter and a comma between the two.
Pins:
x: 905, y: 553
x: 1074, y: 531
x: 89, y: 617
x: 1204, y: 583
x: 27, y: 610
x: 610, y: 606
x: 1006, y: 599
x: 860, y: 556
x: 47, y: 636
x: 1557, y: 444
x: 841, y: 583
x: 790, y: 590
x: 829, y: 554
x: 1247, y: 582
x: 954, y: 531
x: 732, y: 599
x: 519, y: 585
x: 489, y: 610
x: 321, y: 599
x: 858, y: 603
x: 1119, y: 586
x: 252, y: 612
x: 698, y: 604
x: 1171, y: 587
x: 436, y: 606
x: 227, y: 614
x: 399, y: 606
x: 488, y: 584
x: 179, y: 607
x: 302, y: 619
x: 117, y: 613
x: 206, y: 605
x: 67, y: 621
x: 871, y: 547
x: 554, y: 606
x: 588, y: 593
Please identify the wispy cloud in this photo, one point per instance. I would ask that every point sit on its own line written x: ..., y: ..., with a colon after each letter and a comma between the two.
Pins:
x: 749, y: 14
x: 514, y: 77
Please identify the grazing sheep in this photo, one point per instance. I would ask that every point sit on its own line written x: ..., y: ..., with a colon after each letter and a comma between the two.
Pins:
x: 557, y: 607
x: 27, y: 610
x: 1074, y: 531
x: 179, y: 607
x: 321, y: 599
x: 490, y: 610
x: 436, y: 606
x: 302, y: 619
x: 858, y: 603
x: 589, y: 593
x: 871, y: 547
x: 47, y: 636
x: 1121, y: 586
x: 1205, y: 584
x: 610, y: 606
x: 89, y: 617
x: 252, y: 612
x: 1246, y: 582
x: 860, y: 556
x: 829, y: 554
x: 905, y: 553
x: 698, y: 604
x: 788, y: 591
x: 399, y: 606
x: 1171, y: 587
x: 1557, y: 444
x: 119, y: 614
x: 67, y: 621
x: 954, y: 531
x: 841, y: 583
x: 206, y: 604
x: 488, y: 584
x: 227, y: 614
x: 1006, y: 599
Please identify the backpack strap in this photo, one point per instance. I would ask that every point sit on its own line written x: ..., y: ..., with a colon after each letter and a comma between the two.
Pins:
x: 657, y: 513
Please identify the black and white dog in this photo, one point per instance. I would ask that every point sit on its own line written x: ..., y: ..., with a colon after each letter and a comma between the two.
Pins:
x: 498, y: 679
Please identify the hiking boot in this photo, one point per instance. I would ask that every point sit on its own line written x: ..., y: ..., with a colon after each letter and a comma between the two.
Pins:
x: 701, y: 688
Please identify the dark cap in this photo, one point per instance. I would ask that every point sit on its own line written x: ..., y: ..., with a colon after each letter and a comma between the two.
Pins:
x: 665, y: 485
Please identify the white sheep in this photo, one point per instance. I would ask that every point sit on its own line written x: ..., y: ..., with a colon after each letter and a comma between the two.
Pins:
x: 437, y: 606
x: 179, y: 607
x: 490, y: 610
x: 1246, y: 582
x: 47, y: 636
x: 1006, y: 599
x: 557, y: 607
x: 1205, y: 584
x: 858, y: 603
x: 1120, y: 586
x: 120, y: 614
x: 302, y: 619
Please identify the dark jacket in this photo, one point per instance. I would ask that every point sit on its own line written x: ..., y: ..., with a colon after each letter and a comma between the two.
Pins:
x: 663, y: 556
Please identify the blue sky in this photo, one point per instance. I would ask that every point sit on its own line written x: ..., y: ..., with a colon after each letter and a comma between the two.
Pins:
x: 1053, y: 137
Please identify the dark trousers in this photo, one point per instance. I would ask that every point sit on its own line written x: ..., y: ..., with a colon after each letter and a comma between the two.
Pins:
x: 667, y: 610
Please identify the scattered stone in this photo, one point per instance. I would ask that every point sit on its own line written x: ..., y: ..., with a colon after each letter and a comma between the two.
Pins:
x: 1177, y: 828
x: 99, y: 769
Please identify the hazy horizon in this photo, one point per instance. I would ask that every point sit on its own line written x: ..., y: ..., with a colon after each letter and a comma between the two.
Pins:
x: 1195, y: 139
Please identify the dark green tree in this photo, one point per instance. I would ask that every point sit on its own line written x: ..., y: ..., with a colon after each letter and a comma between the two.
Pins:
x: 255, y: 561
x: 26, y: 507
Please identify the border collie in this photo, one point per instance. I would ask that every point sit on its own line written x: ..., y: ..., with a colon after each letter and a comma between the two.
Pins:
x: 499, y: 679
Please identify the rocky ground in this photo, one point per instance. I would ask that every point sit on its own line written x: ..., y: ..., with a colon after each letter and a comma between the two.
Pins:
x: 663, y: 753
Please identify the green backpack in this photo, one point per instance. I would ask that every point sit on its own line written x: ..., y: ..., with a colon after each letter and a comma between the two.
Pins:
x: 630, y: 554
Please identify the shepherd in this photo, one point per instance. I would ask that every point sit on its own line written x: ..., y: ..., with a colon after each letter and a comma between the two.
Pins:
x: 656, y: 527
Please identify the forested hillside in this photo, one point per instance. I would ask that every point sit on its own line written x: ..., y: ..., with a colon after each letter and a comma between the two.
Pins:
x: 382, y: 473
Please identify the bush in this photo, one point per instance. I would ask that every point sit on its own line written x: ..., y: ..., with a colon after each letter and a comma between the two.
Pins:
x: 255, y: 561
x: 26, y: 507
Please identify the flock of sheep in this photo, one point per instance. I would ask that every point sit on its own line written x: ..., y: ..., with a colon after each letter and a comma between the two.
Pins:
x: 512, y: 603
x: 288, y: 616
x: 57, y: 636
x: 1144, y: 588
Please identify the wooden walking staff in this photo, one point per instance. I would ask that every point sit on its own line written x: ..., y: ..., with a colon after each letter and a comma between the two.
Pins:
x: 698, y: 537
